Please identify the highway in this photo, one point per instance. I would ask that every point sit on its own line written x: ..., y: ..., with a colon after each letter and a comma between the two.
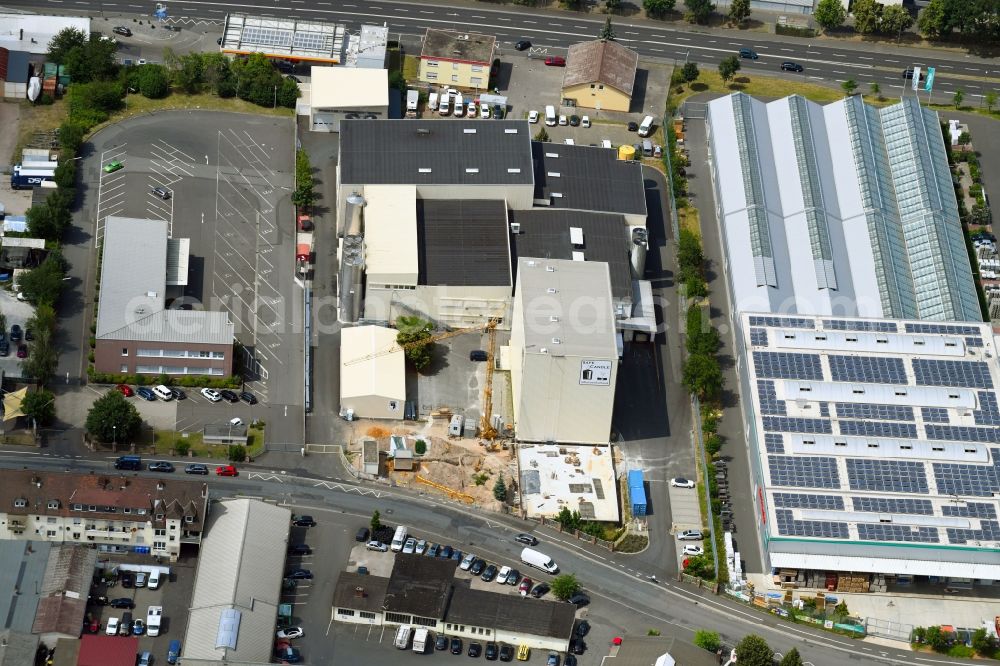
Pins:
x: 552, y: 32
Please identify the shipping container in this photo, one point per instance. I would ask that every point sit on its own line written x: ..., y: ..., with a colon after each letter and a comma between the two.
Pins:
x: 637, y: 492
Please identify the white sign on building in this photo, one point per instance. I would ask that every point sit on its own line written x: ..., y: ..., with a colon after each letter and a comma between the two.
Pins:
x: 595, y: 373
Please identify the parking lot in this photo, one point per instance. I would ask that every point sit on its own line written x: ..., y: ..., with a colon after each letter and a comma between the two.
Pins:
x: 17, y: 313
x: 452, y: 380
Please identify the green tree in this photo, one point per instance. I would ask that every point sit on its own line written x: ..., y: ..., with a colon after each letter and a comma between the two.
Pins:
x: 739, y: 11
x: 867, y: 14
x: 702, y: 376
x: 65, y: 41
x: 92, y: 61
x: 849, y: 86
x: 71, y: 136
x: 658, y: 8
x: 565, y: 586
x: 413, y: 330
x: 570, y: 520
x: 608, y: 31
x: 237, y: 453
x: 43, y: 321
x: 791, y: 658
x: 895, y: 20
x: 376, y: 522
x: 830, y: 14
x: 754, y: 651
x: 500, y: 490
x: 40, y: 405
x: 698, y: 11
x: 257, y: 80
x: 957, y: 98
x: 420, y: 447
x: 304, y: 194
x: 991, y: 100
x: 113, y: 418
x: 541, y: 135
x: 49, y: 219
x: 702, y: 337
x: 937, y: 639
x: 707, y: 640
x: 190, y: 73
x: 94, y: 100
x: 933, y: 22
x: 288, y: 93
x: 151, y: 80
x: 612, y: 5
x: 983, y: 643
x: 728, y: 68
x: 41, y: 363
x: 876, y: 90
x: 44, y: 283
x: 689, y: 72
x: 65, y: 175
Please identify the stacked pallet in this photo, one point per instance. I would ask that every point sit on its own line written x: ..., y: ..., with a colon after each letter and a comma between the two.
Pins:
x: 879, y: 583
x: 853, y: 583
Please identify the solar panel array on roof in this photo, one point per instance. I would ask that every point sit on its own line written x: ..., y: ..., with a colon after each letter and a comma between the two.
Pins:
x: 824, y: 409
x: 861, y: 410
x: 878, y: 429
x: 867, y: 369
x: 803, y: 471
x: 970, y: 510
x: 267, y: 36
x: 961, y: 433
x: 758, y: 337
x: 792, y: 322
x: 808, y: 528
x: 892, y: 476
x: 886, y: 532
x: 851, y: 325
x: 955, y: 329
x: 968, y: 480
x: 769, y: 403
x: 794, y: 424
x: 783, y: 365
x: 989, y: 530
x: 917, y: 507
x: 774, y: 442
x: 988, y: 412
x: 934, y: 414
x: 940, y: 372
x: 974, y: 342
x: 804, y: 501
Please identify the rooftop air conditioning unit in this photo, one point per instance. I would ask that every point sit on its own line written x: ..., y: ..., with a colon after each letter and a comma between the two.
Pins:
x: 515, y: 227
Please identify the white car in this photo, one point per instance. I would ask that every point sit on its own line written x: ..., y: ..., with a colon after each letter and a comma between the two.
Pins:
x: 585, y: 121
x: 377, y: 545
x: 690, y: 535
x: 484, y: 110
x: 563, y: 120
x: 291, y: 632
x: 410, y: 546
x: 533, y: 116
x: 421, y: 547
x: 470, y: 111
x: 693, y: 550
x: 681, y: 482
x: 235, y: 421
x: 211, y: 394
x: 112, y: 628
x: 467, y: 561
x: 502, y: 576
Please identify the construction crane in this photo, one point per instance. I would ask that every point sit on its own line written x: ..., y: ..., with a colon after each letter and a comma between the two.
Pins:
x: 486, y: 429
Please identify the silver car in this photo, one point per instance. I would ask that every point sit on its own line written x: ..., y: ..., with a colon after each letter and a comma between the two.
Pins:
x: 410, y: 546
x: 377, y: 545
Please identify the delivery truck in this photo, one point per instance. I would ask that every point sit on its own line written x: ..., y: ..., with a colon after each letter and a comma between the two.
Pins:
x: 412, y: 100
x: 24, y: 178
x: 403, y: 634
x: 539, y: 560
x: 420, y: 640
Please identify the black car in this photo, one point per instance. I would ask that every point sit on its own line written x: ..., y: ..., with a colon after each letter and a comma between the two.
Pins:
x: 441, y: 642
x: 4, y: 348
x: 161, y: 192
x: 122, y: 602
x: 446, y: 552
x: 178, y: 394
x: 577, y: 646
x: 15, y: 333
x: 28, y: 335
x: 299, y: 574
x: 229, y: 395
x: 478, y: 355
x: 475, y: 649
x: 791, y: 67
x: 121, y: 30
x: 574, y: 121
x: 526, y: 539
x: 540, y: 590
x: 582, y: 629
x: 362, y: 535
x: 490, y: 573
x: 492, y: 651
x: 506, y: 653
x: 162, y: 466
x: 522, y: 45
x: 303, y: 521
x: 299, y: 549
x: 248, y: 397
x: 748, y: 53
x: 127, y: 580
x: 196, y: 468
x: 633, y: 126
x: 579, y: 599
x: 456, y: 646
x: 477, y: 566
x: 570, y: 660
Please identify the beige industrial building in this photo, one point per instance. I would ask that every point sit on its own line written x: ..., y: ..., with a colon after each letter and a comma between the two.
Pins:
x: 457, y: 59
x: 563, y: 353
x: 372, y: 373
x: 600, y: 75
x: 336, y: 93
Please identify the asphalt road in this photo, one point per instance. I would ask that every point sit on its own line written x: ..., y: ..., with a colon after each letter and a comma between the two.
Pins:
x: 551, y: 32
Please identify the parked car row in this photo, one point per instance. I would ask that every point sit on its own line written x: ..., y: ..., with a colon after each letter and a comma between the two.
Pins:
x: 168, y: 393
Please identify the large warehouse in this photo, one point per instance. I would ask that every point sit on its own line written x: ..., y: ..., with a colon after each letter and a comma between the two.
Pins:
x: 874, y: 446
x: 844, y: 209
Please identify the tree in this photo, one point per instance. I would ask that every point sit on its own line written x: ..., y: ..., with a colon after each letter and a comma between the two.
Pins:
x: 830, y: 14
x: 65, y: 41
x: 541, y: 135
x: 92, y: 61
x: 413, y: 330
x: 754, y: 651
x: 791, y: 658
x: 937, y: 639
x: 612, y: 5
x: 608, y: 32
x: 689, y: 72
x: 933, y: 21
x: 983, y: 643
x: 849, y: 86
x: 288, y: 93
x: 876, y: 90
x: 702, y: 337
x: 957, y: 98
x: 739, y: 11
x: 40, y: 405
x: 895, y: 19
x: 728, y: 68
x: 44, y: 283
x: 707, y: 640
x: 658, y: 8
x: 151, y: 80
x: 565, y: 586
x: 48, y: 221
x: 689, y: 253
x: 698, y: 11
x: 65, y: 175
x: 376, y: 522
x: 991, y: 100
x: 112, y: 418
x: 257, y: 80
x: 189, y: 75
x: 866, y: 16
x: 500, y: 490
x: 420, y: 447
x: 702, y: 376
x: 304, y: 194
x: 71, y: 136
x: 41, y: 363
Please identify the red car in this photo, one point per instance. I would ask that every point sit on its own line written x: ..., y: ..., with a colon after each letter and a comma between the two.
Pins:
x: 126, y: 390
x: 555, y: 61
x: 225, y: 470
x: 524, y: 587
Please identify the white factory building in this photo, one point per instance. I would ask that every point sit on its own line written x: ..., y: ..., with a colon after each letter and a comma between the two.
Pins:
x: 372, y: 373
x: 842, y: 209
x: 336, y: 93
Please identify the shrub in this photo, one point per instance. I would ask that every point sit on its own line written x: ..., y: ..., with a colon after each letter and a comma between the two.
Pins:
x: 707, y: 640
x: 420, y: 447
x: 182, y: 448
x: 237, y: 453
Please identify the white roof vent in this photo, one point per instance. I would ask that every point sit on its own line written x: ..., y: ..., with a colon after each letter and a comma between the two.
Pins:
x: 576, y: 235
x: 515, y: 227
x: 578, y: 256
x: 557, y: 195
x: 553, y: 318
x: 151, y: 294
x: 550, y: 269
x: 510, y: 131
x: 513, y: 170
x: 553, y: 174
x: 543, y: 350
x: 469, y: 130
x: 556, y: 341
x: 532, y: 262
x: 552, y: 154
x: 424, y: 169
x: 552, y: 290
x: 472, y: 170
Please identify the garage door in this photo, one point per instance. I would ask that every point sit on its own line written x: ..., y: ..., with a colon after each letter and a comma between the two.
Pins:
x: 325, y: 122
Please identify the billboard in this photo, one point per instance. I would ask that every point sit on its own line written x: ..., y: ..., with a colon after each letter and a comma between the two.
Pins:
x: 595, y: 373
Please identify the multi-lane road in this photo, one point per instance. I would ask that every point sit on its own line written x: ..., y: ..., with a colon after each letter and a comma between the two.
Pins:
x: 824, y: 60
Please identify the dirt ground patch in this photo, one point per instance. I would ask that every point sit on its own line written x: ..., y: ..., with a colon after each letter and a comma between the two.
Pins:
x: 10, y: 116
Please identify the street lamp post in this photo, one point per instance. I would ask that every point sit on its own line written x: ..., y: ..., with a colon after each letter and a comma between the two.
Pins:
x: 114, y: 446
x: 275, y: 97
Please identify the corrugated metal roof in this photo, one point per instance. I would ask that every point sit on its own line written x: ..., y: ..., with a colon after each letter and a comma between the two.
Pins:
x: 463, y: 243
x: 178, y: 253
x: 587, y: 178
x: 240, y: 566
x: 391, y: 233
x: 601, y: 61
x: 869, y: 564
x: 192, y: 326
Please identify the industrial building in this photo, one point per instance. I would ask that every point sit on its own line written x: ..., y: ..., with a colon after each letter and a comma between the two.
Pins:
x: 136, y: 332
x: 372, y: 373
x: 600, y: 75
x: 563, y: 352
x: 874, y: 448
x: 336, y: 93
x: 457, y: 59
x: 844, y: 209
x: 288, y: 39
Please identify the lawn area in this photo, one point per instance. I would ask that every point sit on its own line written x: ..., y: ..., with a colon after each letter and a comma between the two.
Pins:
x: 689, y: 220
x: 760, y: 86
x: 165, y: 441
x: 411, y: 67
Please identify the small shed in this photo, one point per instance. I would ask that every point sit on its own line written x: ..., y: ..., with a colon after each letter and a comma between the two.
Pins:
x: 369, y: 455
x: 403, y: 461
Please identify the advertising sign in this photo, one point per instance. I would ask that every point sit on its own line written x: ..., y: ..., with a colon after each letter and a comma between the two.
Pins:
x: 916, y: 78
x: 595, y: 373
x: 930, y: 79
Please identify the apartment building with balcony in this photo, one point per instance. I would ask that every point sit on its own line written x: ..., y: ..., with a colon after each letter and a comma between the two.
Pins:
x: 113, y: 513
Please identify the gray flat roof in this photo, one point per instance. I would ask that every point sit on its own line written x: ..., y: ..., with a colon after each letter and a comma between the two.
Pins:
x: 360, y: 592
x: 463, y: 243
x: 420, y: 585
x: 435, y: 152
x: 511, y: 612
x: 545, y: 233
x: 458, y: 46
x: 587, y: 178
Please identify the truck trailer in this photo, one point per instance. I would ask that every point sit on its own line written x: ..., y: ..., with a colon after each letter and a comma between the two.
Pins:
x: 23, y: 178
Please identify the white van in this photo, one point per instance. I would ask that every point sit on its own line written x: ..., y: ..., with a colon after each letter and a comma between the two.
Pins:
x: 646, y: 128
x: 398, y: 539
x: 402, y: 640
x: 550, y: 116
x: 444, y: 107
x: 432, y: 101
x: 163, y: 393
x: 459, y: 106
x: 154, y: 579
x: 539, y: 561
